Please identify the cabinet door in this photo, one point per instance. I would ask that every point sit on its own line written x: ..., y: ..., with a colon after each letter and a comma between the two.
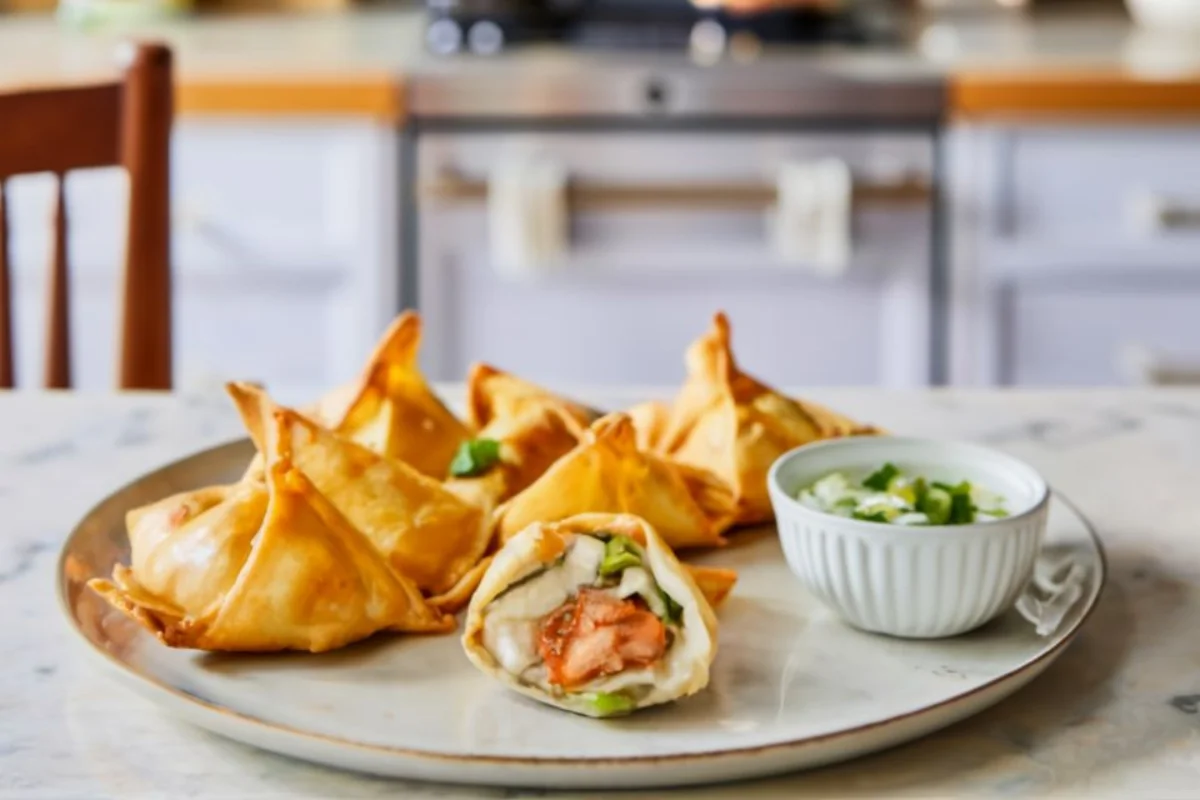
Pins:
x: 283, y: 245
x: 280, y: 329
x: 1060, y: 333
x: 1095, y: 188
x: 1072, y: 246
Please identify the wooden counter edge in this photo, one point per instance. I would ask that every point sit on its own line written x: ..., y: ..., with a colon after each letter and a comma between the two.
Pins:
x: 1082, y: 94
x: 972, y: 95
x: 380, y: 98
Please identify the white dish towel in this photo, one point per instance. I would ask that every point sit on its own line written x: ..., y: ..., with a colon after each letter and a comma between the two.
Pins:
x: 810, y: 224
x: 528, y: 216
x: 1056, y: 586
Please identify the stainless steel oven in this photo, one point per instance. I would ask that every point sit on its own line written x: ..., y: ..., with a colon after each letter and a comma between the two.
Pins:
x: 672, y: 174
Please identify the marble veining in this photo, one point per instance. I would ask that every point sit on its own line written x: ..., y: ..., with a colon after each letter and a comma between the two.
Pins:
x: 1116, y: 716
x: 1187, y: 703
x: 1060, y: 432
x: 22, y: 560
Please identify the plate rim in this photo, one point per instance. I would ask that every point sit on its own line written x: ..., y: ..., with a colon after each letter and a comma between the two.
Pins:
x: 200, y: 706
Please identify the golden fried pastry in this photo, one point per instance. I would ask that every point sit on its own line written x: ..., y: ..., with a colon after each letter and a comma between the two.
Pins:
x: 727, y: 422
x: 148, y: 525
x: 493, y: 394
x: 459, y: 595
x: 607, y: 472
x: 522, y: 430
x: 833, y: 424
x: 510, y: 453
x: 650, y: 420
x: 392, y: 410
x: 427, y: 533
x: 265, y: 567
x: 715, y: 583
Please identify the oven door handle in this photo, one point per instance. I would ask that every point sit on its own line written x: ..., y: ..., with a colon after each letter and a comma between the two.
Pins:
x: 451, y: 188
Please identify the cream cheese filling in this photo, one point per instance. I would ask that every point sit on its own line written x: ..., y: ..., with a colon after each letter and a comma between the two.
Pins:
x: 511, y: 621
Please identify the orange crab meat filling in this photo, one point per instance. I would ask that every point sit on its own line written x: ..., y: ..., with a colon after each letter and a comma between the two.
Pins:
x: 596, y: 634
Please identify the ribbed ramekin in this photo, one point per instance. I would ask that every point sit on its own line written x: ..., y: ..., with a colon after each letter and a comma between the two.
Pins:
x: 918, y: 582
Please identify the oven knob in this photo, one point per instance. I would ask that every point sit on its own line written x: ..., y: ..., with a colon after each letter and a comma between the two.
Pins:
x: 656, y: 93
x: 444, y: 36
x: 485, y: 38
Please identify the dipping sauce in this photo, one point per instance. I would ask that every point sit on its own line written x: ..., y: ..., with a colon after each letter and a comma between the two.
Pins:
x: 889, y: 496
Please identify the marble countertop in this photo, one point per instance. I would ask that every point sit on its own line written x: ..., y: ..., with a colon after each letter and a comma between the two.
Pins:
x: 1117, y: 716
x: 273, y: 63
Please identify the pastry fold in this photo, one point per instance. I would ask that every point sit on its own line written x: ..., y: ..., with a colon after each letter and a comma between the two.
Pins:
x: 392, y: 410
x: 531, y: 427
x: 259, y: 567
x: 594, y: 615
x: 715, y: 583
x: 650, y: 421
x: 426, y: 532
x: 607, y: 472
x: 527, y: 446
x: 494, y: 394
x: 727, y: 422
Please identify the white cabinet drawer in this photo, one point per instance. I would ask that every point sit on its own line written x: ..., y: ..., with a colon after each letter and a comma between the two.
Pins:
x: 1060, y: 334
x: 1119, y: 197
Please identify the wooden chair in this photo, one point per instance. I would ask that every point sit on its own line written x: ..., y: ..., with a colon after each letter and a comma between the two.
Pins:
x: 124, y: 123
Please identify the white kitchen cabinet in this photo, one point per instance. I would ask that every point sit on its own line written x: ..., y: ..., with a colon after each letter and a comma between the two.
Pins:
x: 284, y: 254
x: 1072, y: 245
x: 1085, y: 333
x: 1087, y: 187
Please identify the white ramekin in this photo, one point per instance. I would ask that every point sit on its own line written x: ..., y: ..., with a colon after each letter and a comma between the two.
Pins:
x: 919, y: 582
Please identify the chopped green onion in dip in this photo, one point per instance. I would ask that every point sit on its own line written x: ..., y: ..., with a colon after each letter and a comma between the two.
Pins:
x: 890, y: 496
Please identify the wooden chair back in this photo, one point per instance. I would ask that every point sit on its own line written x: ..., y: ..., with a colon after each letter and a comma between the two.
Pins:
x: 124, y: 123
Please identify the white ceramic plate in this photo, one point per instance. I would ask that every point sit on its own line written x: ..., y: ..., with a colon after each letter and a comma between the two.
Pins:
x: 792, y: 686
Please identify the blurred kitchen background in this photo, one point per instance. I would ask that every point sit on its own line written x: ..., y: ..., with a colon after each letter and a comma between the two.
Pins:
x: 879, y: 192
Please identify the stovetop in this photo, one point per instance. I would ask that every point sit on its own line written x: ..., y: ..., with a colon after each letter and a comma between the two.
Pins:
x: 487, y: 27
